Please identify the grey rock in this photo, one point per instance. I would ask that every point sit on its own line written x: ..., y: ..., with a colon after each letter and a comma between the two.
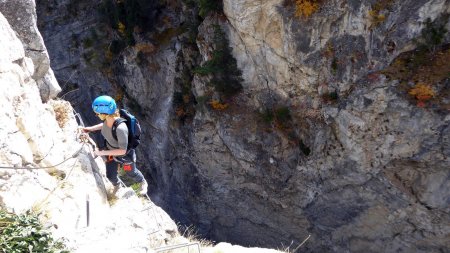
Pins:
x: 376, y: 177
x: 48, y: 86
x: 22, y: 17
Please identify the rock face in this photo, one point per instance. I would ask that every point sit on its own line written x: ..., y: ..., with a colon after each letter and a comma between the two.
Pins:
x: 22, y: 17
x: 45, y: 169
x: 354, y: 161
x: 366, y: 167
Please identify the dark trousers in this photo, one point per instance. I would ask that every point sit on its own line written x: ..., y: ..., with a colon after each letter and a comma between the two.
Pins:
x: 125, y: 169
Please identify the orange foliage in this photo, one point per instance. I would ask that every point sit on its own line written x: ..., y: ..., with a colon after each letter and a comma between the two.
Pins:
x: 145, y: 47
x: 121, y: 28
x: 180, y: 112
x: 186, y: 98
x: 329, y: 50
x: 216, y: 105
x: 305, y: 8
x: 422, y: 92
x: 376, y: 17
x: 108, y: 55
x: 373, y: 77
x: 119, y: 95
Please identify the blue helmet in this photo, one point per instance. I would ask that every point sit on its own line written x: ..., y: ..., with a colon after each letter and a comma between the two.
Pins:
x: 104, y: 104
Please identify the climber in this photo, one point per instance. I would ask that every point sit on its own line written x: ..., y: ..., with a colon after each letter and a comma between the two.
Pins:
x: 118, y: 157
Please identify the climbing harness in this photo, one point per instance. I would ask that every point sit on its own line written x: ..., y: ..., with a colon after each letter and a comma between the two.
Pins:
x: 109, y: 158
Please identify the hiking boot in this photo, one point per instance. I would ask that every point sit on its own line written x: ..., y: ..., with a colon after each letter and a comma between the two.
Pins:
x: 143, y: 187
x: 116, y: 188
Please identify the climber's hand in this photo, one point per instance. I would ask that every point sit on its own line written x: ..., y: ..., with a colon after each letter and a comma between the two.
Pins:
x: 98, y: 152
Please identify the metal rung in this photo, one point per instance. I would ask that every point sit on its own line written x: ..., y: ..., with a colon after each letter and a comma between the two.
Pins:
x: 177, y: 246
x: 154, y: 232
x: 148, y: 208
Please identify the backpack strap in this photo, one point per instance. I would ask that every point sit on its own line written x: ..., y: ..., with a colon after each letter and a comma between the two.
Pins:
x: 115, y: 125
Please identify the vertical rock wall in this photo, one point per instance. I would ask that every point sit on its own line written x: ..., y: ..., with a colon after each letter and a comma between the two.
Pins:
x: 354, y: 174
x: 22, y: 17
x: 356, y: 164
x: 46, y: 170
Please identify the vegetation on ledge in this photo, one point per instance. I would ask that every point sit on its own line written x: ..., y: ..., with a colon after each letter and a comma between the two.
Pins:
x: 226, y: 77
x: 24, y: 233
x: 424, y: 73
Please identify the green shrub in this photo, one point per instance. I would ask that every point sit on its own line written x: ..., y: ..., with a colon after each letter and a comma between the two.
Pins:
x: 283, y: 114
x: 268, y: 116
x: 433, y: 34
x: 130, y: 14
x: 201, y: 100
x: 330, y: 96
x: 206, y: 6
x: 24, y: 233
x: 280, y: 117
x: 88, y: 42
x: 206, y: 69
x: 226, y: 77
x: 117, y: 46
x: 90, y: 56
x: 192, y: 29
x: 110, y: 13
x: 419, y: 58
x: 334, y: 66
x: 190, y: 3
x: 177, y: 99
x: 184, y: 100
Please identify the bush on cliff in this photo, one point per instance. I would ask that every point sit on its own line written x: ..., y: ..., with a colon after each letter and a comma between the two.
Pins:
x: 24, y: 233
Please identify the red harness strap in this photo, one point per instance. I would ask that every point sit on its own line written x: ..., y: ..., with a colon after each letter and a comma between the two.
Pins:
x: 127, y: 167
x: 109, y: 158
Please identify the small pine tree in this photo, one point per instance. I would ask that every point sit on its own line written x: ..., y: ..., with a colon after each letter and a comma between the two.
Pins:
x: 433, y: 34
x: 226, y: 76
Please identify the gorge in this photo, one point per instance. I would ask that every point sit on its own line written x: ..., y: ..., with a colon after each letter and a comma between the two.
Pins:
x: 265, y: 122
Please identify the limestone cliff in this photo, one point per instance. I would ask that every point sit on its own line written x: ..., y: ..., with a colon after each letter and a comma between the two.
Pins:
x: 340, y: 128
x: 26, y: 29
x: 47, y: 168
x: 44, y: 168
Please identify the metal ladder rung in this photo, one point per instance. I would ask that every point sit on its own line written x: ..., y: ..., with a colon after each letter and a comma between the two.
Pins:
x: 176, y: 246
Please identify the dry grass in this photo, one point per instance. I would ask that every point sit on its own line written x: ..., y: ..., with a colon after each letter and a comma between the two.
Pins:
x: 146, y: 48
x: 62, y: 111
x: 376, y: 18
x: 191, y: 234
x: 188, y: 236
x: 305, y: 8
x: 287, y: 249
x: 379, y: 12
x: 217, y: 105
x: 427, y: 70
